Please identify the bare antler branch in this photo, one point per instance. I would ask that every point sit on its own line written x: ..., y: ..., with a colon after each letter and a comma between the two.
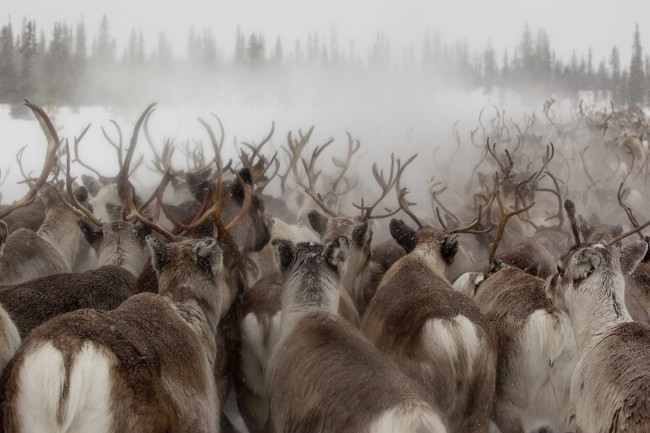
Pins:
x: 53, y: 144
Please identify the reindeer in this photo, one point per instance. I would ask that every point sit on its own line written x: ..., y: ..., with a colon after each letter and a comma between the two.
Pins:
x: 435, y: 335
x: 54, y: 247
x: 609, y: 385
x: 353, y: 388
x: 261, y: 313
x: 117, y: 378
x: 119, y: 248
x: 536, y: 352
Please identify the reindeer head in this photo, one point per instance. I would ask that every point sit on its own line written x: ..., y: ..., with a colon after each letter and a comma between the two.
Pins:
x: 359, y: 235
x: 594, y: 274
x: 117, y: 243
x: 253, y: 233
x: 311, y: 272
x: 203, y: 269
x: 437, y: 246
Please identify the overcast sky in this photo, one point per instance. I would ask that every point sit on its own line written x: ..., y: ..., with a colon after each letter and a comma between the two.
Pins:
x: 571, y: 24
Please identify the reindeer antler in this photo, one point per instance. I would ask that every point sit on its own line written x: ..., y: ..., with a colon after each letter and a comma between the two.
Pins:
x: 53, y: 144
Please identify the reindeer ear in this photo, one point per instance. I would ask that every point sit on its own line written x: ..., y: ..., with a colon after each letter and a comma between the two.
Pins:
x: 159, y: 253
x: 584, y: 226
x: 449, y: 248
x: 584, y: 263
x: 92, y: 233
x: 237, y: 189
x: 81, y: 194
x: 362, y: 234
x: 403, y: 234
x: 617, y: 230
x: 283, y: 253
x: 337, y: 252
x: 631, y: 255
x: 208, y: 257
x: 141, y: 231
x: 318, y: 221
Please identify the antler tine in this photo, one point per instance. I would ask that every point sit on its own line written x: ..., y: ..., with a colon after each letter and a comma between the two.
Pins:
x: 550, y: 153
x: 557, y: 192
x: 469, y: 227
x: 296, y: 147
x: 402, y: 192
x: 76, y: 206
x: 353, y: 147
x: 628, y: 210
x: 245, y: 206
x: 78, y: 159
x: 584, y: 164
x: 386, y: 186
x: 119, y: 148
x: 274, y: 161
x: 3, y: 179
x: 434, y: 197
x: 19, y: 159
x: 629, y: 233
x: 504, y: 215
x: 53, y: 144
x: 134, y: 213
x: 148, y: 136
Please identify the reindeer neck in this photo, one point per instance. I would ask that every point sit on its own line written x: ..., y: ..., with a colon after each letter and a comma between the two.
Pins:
x: 597, y: 311
x: 305, y: 293
x: 194, y: 306
x: 119, y: 254
x: 431, y: 259
x: 60, y: 230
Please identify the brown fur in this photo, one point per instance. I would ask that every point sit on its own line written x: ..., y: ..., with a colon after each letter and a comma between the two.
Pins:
x: 29, y: 217
x: 52, y: 249
x: 414, y: 292
x: 323, y: 375
x: 508, y: 298
x: 157, y: 344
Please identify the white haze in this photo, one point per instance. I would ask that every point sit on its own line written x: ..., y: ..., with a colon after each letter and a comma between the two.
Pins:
x: 404, y: 113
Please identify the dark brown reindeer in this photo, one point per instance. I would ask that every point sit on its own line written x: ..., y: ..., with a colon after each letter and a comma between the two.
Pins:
x: 55, y: 246
x: 435, y: 335
x: 323, y: 374
x: 610, y: 382
x: 147, y: 366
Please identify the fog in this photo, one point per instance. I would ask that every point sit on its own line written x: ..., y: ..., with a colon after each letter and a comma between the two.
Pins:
x: 389, y: 101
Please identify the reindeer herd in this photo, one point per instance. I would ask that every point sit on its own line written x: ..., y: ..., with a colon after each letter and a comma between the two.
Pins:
x: 517, y: 304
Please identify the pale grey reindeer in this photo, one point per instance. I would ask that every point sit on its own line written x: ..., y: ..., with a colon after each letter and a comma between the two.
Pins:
x: 536, y: 352
x: 610, y: 383
x: 147, y: 366
x: 323, y: 375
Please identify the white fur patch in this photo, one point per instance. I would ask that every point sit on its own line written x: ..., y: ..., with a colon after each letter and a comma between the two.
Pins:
x: 549, y: 357
x: 451, y: 337
x: 467, y: 282
x: 411, y: 416
x: 41, y: 382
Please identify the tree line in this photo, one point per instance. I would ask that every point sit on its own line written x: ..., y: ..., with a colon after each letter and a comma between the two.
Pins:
x: 63, y: 68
